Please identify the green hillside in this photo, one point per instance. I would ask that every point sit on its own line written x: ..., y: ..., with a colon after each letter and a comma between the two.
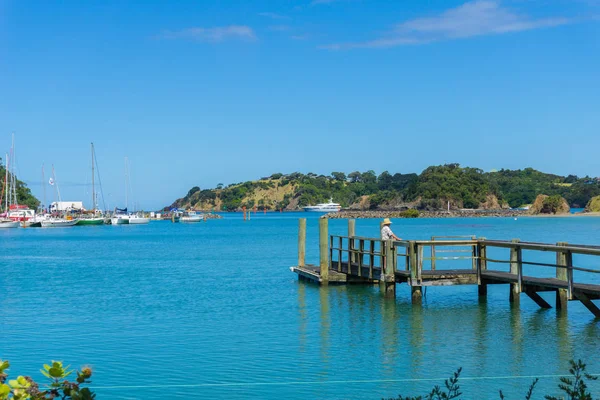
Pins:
x: 432, y: 189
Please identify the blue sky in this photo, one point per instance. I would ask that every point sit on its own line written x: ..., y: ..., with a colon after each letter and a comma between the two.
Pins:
x: 202, y: 92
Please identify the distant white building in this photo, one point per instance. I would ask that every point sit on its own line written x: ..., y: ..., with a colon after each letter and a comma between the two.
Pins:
x: 66, y: 206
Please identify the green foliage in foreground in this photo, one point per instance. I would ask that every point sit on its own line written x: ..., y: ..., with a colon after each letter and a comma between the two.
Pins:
x: 58, y: 387
x: 24, y: 195
x: 574, y: 387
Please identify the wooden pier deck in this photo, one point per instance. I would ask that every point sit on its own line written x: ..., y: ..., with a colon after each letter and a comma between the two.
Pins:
x: 351, y: 259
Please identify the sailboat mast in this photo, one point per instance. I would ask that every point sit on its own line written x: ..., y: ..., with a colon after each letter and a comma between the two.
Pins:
x: 12, y: 172
x: 57, y: 191
x: 6, y: 186
x: 93, y: 187
x: 44, y: 205
x: 126, y: 185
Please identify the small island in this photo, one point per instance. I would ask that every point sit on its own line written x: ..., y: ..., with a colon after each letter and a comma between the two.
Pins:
x: 438, y: 191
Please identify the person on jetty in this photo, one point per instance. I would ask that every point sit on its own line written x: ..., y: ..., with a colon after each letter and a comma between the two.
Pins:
x: 386, y: 231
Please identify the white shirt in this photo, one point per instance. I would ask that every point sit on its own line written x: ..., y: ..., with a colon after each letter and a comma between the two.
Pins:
x: 386, y: 233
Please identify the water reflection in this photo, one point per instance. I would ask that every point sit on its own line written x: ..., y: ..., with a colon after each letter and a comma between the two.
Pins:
x: 302, y: 316
x: 325, y: 328
x: 391, y: 324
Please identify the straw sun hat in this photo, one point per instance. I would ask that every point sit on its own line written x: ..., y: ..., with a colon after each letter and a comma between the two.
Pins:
x: 387, y: 221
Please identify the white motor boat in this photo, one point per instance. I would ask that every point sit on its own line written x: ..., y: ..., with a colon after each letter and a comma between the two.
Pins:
x: 135, y: 219
x: 119, y: 219
x: 59, y: 222
x: 192, y: 216
x: 8, y: 223
x: 324, y: 207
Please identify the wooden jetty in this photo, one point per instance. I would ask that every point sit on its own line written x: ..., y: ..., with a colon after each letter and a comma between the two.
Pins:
x: 353, y: 259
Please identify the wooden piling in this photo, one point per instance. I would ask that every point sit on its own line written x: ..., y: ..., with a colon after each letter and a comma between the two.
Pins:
x: 324, y: 250
x: 351, y: 245
x: 481, y: 266
x: 516, y: 269
x: 561, y: 273
x: 416, y: 294
x: 302, y: 242
x: 389, y: 284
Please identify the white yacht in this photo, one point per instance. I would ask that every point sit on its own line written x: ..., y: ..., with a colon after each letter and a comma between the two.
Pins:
x: 59, y: 222
x: 324, y: 207
x: 119, y: 219
x: 8, y: 223
x: 137, y: 219
x: 192, y: 216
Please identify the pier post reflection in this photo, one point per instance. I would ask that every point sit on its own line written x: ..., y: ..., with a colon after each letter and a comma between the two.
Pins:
x: 516, y: 325
x: 324, y: 298
x: 389, y: 341
x: 302, y: 316
x: 417, y: 339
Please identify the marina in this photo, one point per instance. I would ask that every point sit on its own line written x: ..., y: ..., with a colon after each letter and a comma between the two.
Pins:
x: 148, y: 302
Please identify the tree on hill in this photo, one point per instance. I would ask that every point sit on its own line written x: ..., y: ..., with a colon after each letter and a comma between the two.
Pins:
x: 24, y: 195
x: 461, y: 186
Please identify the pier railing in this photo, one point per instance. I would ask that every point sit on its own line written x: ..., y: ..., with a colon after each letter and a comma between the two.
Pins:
x: 459, y: 260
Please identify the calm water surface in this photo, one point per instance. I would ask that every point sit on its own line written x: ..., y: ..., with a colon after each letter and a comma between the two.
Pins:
x: 212, y: 311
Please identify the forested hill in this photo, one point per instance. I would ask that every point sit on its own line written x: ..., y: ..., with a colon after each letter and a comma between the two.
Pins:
x: 24, y: 195
x: 463, y: 187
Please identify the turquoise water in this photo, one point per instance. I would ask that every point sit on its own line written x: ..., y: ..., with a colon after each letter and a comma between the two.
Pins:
x: 212, y: 310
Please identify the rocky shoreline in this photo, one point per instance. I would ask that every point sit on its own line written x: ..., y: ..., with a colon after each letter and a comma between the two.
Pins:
x: 212, y: 216
x: 428, y: 214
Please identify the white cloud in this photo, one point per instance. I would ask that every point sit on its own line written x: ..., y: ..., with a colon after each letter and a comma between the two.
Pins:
x: 475, y: 18
x: 213, y: 35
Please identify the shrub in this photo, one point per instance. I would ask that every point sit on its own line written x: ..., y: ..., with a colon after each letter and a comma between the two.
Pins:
x: 574, y: 387
x: 24, y: 387
x: 410, y: 213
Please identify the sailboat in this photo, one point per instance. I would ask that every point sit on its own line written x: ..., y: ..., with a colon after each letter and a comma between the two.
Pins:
x: 36, y: 221
x: 94, y: 219
x: 6, y: 222
x: 58, y: 221
x: 120, y: 216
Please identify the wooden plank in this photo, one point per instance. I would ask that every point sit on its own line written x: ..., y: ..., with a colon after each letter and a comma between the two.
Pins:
x: 544, y: 247
x: 561, y: 274
x: 361, y: 250
x: 569, y: 263
x: 389, y: 285
x: 351, y: 233
x: 514, y: 269
x: 537, y: 298
x: 340, y: 255
x: 481, y: 266
x: 416, y: 294
x: 323, y: 250
x: 371, y: 258
x: 588, y: 303
x: 447, y: 272
x: 433, y: 255
x: 301, y: 241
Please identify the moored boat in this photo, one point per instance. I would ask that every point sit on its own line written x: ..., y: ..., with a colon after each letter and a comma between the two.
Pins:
x: 192, y: 216
x: 119, y: 217
x: 59, y: 222
x: 8, y: 223
x: 31, y: 224
x: 136, y: 219
x: 324, y: 207
x: 91, y: 221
